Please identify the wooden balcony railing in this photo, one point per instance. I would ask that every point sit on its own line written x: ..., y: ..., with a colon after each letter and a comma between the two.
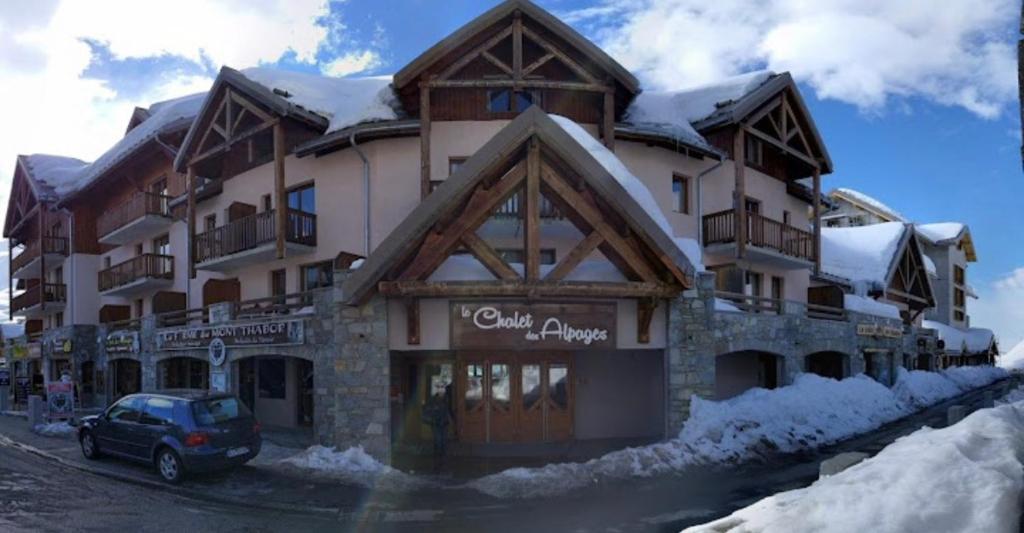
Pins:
x: 49, y: 245
x: 47, y: 292
x: 762, y: 232
x: 254, y: 231
x: 140, y: 267
x: 139, y: 205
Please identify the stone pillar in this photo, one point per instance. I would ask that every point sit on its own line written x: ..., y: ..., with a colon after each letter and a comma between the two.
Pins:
x: 691, y: 360
x: 147, y: 348
x: 361, y: 378
x: 219, y: 314
x: 320, y: 340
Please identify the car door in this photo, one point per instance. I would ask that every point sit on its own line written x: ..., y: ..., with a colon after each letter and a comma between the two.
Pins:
x: 155, y: 421
x: 118, y: 423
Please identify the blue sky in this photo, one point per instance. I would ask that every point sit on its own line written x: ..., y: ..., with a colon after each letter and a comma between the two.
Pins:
x: 915, y: 104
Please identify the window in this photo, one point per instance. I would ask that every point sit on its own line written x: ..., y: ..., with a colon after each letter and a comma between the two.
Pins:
x: 959, y: 275
x: 210, y: 412
x: 502, y: 100
x: 303, y: 198
x: 58, y: 320
x: 272, y: 374
x: 778, y: 288
x: 106, y: 262
x: 785, y: 217
x: 753, y: 284
x: 211, y: 222
x: 159, y: 187
x: 138, y: 308
x: 317, y: 275
x: 138, y: 249
x: 158, y: 412
x: 162, y: 245
x: 267, y: 204
x: 754, y: 151
x: 455, y: 163
x: 753, y: 206
x: 278, y: 283
x: 126, y: 410
x: 681, y: 193
x: 516, y: 255
x: 959, y: 298
x: 959, y: 316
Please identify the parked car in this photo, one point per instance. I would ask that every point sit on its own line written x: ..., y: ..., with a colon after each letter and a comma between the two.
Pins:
x: 177, y: 432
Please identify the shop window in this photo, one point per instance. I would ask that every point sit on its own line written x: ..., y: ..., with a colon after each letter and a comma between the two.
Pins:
x: 501, y: 390
x: 317, y: 275
x: 681, y: 194
x: 531, y: 385
x: 272, y: 378
x: 474, y: 386
x: 558, y: 384
x: 303, y: 198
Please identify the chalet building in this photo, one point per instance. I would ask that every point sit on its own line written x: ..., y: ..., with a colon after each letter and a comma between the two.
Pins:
x: 508, y: 224
x: 854, y: 208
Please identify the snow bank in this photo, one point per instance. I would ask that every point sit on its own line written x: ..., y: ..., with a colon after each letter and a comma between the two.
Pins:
x: 967, y: 477
x: 1013, y: 359
x: 812, y: 412
x: 354, y: 466
x: 344, y: 101
x: 871, y: 203
x: 870, y: 306
x: 861, y: 254
x: 54, y: 429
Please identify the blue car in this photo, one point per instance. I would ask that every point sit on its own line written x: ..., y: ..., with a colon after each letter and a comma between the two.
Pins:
x: 177, y: 432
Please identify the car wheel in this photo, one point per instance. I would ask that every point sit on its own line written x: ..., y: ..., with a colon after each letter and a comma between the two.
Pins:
x: 169, y: 466
x: 89, y: 448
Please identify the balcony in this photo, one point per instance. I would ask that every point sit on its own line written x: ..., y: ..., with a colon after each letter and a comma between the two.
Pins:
x: 253, y: 239
x: 767, y: 240
x: 40, y: 300
x: 140, y: 216
x: 52, y: 250
x: 137, y: 275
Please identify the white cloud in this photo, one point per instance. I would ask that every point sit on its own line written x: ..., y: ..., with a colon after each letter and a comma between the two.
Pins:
x: 1001, y: 308
x: 864, y: 52
x: 352, y: 63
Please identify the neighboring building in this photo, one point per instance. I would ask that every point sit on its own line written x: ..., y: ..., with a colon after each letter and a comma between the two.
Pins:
x: 854, y: 208
x: 508, y: 222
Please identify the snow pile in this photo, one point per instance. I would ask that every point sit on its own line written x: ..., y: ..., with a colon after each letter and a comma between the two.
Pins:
x: 1014, y: 396
x: 863, y: 253
x: 1013, y: 359
x: 353, y: 466
x: 55, y: 429
x: 966, y: 477
x: 940, y: 231
x: 919, y: 389
x: 725, y: 305
x: 683, y: 107
x: 812, y: 412
x: 344, y: 101
x: 974, y: 339
x: 972, y: 377
x: 870, y: 306
x: 871, y: 203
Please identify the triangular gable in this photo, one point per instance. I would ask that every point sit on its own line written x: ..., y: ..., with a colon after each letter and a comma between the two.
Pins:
x: 235, y: 109
x: 22, y: 200
x: 777, y: 113
x: 560, y: 43
x: 907, y: 281
x: 536, y: 152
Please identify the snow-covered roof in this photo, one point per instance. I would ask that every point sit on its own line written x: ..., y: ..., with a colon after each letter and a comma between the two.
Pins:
x: 869, y: 306
x: 863, y: 253
x: 344, y: 102
x: 870, y: 203
x: 48, y: 173
x: 977, y: 339
x: 684, y: 107
x: 941, y: 232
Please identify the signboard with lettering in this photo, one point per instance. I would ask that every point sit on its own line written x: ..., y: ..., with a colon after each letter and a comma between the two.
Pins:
x: 61, y: 346
x: 123, y: 341
x: 60, y: 400
x: 275, y: 333
x: 533, y: 326
x: 5, y: 377
x: 26, y: 351
x: 877, y: 330
x: 23, y: 386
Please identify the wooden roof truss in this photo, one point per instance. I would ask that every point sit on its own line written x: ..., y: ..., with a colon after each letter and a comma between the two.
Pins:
x: 777, y: 124
x: 236, y: 119
x: 908, y: 282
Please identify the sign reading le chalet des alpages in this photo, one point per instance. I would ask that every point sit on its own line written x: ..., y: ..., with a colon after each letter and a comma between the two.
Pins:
x: 273, y: 333
x: 538, y: 326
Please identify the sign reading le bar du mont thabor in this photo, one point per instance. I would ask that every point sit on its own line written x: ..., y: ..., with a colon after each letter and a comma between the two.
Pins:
x: 540, y: 326
x: 275, y: 333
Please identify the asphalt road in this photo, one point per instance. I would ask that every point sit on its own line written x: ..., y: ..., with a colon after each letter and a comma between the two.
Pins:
x: 38, y: 494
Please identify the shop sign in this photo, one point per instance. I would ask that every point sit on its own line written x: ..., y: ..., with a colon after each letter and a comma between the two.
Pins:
x: 26, y: 351
x: 276, y: 333
x: 60, y: 400
x: 218, y: 352
x: 533, y: 326
x: 5, y: 377
x: 123, y: 341
x: 877, y: 330
x: 61, y: 346
x: 23, y: 386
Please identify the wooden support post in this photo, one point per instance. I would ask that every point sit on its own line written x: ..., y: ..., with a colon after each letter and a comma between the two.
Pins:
x: 190, y: 187
x: 412, y: 321
x: 531, y: 216
x: 517, y: 47
x: 739, y: 160
x: 424, y: 141
x: 608, y: 127
x: 10, y: 280
x: 279, y: 195
x: 817, y: 220
x: 644, y: 313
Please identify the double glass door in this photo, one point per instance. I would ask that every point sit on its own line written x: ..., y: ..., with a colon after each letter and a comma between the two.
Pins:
x: 520, y: 398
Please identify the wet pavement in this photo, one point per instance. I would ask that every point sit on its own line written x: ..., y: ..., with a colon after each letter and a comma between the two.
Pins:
x: 40, y: 494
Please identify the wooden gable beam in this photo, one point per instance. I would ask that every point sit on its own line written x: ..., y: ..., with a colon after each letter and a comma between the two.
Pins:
x: 571, y: 260
x: 531, y: 213
x: 412, y: 320
x: 644, y: 315
x: 499, y: 289
x: 488, y: 257
x: 561, y: 56
x: 468, y: 58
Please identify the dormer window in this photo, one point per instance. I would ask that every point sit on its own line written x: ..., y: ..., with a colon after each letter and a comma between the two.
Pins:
x: 501, y: 100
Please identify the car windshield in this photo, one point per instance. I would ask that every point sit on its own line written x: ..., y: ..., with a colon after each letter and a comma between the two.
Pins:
x: 218, y: 410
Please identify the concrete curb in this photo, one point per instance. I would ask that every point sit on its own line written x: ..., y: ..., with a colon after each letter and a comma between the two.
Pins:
x: 181, y: 491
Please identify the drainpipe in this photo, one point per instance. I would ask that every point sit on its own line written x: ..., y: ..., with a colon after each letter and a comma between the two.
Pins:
x: 366, y: 194
x: 700, y: 201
